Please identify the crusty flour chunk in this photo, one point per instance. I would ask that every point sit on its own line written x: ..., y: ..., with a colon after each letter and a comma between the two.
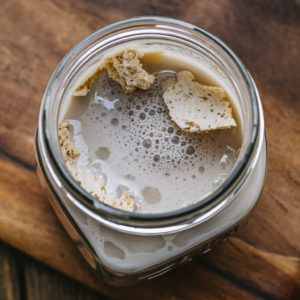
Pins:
x: 125, y: 68
x: 195, y: 107
x: 93, y: 184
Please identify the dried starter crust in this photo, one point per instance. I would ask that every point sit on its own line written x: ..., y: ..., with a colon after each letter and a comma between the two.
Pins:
x: 93, y: 184
x: 125, y: 68
x: 195, y: 107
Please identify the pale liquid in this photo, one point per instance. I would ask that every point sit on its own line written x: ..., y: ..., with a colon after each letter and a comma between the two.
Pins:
x: 129, y: 140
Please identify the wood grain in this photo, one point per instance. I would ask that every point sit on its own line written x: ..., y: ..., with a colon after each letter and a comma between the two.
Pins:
x: 264, y: 260
x: 47, y: 284
x: 9, y: 283
x: 270, y: 274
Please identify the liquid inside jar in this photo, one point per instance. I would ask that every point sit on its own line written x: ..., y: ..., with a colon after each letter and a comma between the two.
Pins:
x: 130, y: 141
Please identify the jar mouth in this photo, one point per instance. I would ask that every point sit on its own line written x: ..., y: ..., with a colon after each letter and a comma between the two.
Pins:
x: 113, y: 217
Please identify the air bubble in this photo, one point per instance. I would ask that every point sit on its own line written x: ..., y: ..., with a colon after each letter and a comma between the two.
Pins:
x: 159, y: 110
x: 144, y: 102
x: 123, y: 127
x: 183, y: 143
x: 201, y: 169
x: 114, y: 122
x: 131, y: 113
x: 179, y: 132
x: 163, y: 129
x: 147, y: 143
x: 190, y: 150
x: 156, y: 158
x: 175, y: 139
x: 170, y: 130
x: 142, y: 116
x: 151, y: 112
x: 138, y: 107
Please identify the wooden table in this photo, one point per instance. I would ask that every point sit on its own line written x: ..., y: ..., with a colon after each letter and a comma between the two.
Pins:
x: 262, y: 262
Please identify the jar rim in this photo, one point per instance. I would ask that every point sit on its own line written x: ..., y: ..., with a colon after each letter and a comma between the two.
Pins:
x: 174, y: 220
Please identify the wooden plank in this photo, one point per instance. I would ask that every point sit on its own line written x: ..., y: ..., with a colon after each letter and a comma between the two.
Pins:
x: 45, y: 283
x: 9, y: 284
x: 269, y: 274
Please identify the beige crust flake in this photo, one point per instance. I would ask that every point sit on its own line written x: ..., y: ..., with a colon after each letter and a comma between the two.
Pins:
x: 93, y: 184
x: 195, y: 107
x: 124, y: 68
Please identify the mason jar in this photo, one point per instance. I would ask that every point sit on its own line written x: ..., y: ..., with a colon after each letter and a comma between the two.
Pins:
x: 126, y: 247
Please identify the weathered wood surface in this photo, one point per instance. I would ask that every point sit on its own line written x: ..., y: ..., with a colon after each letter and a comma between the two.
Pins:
x: 263, y: 262
x: 9, y: 283
x: 44, y: 283
x: 22, y: 277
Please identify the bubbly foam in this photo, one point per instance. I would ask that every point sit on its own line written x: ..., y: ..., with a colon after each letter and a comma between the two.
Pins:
x: 130, y: 140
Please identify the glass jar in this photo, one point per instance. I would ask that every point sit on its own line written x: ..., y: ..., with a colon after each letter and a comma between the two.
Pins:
x: 124, y: 247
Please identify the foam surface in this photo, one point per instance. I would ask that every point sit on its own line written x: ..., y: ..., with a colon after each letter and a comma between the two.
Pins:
x: 130, y: 141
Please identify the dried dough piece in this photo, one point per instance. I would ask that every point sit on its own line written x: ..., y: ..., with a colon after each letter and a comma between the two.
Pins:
x: 195, y: 107
x: 125, y: 68
x: 93, y: 184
